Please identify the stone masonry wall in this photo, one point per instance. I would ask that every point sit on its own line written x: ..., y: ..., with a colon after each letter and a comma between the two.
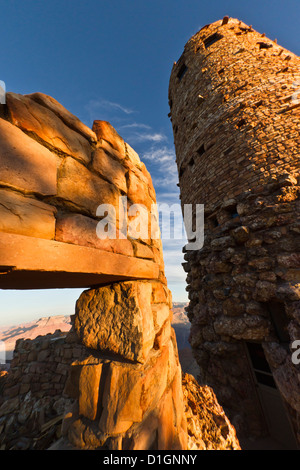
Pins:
x: 234, y: 107
x: 235, y: 110
x: 55, y: 172
x: 125, y: 375
x: 36, y: 410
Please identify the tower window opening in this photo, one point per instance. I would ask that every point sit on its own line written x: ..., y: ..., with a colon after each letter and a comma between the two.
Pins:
x: 182, y: 71
x: 264, y: 45
x: 191, y: 162
x: 232, y: 212
x: 279, y: 320
x: 214, y: 222
x: 258, y: 103
x: 260, y: 365
x: 201, y: 150
x: 241, y: 123
x: 212, y: 39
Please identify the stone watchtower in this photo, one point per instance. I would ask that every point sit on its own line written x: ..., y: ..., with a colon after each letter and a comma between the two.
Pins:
x: 234, y: 98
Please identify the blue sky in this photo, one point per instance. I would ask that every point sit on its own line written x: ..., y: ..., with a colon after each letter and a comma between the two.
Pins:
x: 111, y: 60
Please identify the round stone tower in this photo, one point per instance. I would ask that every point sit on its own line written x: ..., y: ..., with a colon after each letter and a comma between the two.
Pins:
x: 234, y: 99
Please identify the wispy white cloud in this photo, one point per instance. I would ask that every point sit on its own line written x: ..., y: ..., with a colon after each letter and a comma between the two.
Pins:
x: 134, y: 125
x: 162, y: 159
x: 96, y: 105
x: 146, y: 137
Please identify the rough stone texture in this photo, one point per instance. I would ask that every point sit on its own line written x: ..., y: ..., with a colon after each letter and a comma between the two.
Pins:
x: 117, y: 318
x: 68, y: 170
x: 207, y: 424
x: 105, y: 131
x: 235, y: 123
x: 109, y: 168
x: 26, y: 216
x: 234, y: 95
x: 25, y: 164
x: 31, y: 117
x: 68, y: 118
x: 81, y: 230
x: 79, y: 186
x: 32, y: 406
x: 48, y: 395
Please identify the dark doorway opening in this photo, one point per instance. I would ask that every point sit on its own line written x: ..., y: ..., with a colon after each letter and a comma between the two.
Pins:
x: 273, y: 408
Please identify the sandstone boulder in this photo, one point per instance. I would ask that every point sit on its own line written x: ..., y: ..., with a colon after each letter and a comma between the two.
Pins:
x: 104, y: 130
x: 68, y: 118
x: 109, y: 168
x: 30, y: 116
x: 117, y: 319
x: 79, y: 186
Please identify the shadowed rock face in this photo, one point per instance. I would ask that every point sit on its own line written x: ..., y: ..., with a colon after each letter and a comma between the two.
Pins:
x: 234, y: 105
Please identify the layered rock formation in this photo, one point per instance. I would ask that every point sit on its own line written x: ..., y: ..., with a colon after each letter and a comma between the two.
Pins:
x: 234, y: 101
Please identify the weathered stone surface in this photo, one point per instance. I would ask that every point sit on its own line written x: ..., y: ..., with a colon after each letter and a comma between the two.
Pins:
x: 54, y: 266
x: 68, y: 118
x: 33, y: 118
x: 121, y: 399
x: 252, y: 328
x: 104, y: 130
x: 146, y: 435
x: 118, y: 319
x: 161, y: 313
x: 138, y: 191
x: 132, y: 156
x: 109, y: 168
x: 79, y: 186
x: 155, y: 379
x: 89, y: 388
x: 119, y: 363
x: 208, y: 426
x: 166, y: 430
x: 142, y: 251
x: 26, y: 215
x: 81, y: 230
x: 25, y: 164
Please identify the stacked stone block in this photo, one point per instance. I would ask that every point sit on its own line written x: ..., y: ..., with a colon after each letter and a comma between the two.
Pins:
x: 55, y: 172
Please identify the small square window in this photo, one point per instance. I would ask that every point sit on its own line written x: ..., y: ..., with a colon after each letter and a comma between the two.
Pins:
x: 201, y: 150
x: 212, y: 39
